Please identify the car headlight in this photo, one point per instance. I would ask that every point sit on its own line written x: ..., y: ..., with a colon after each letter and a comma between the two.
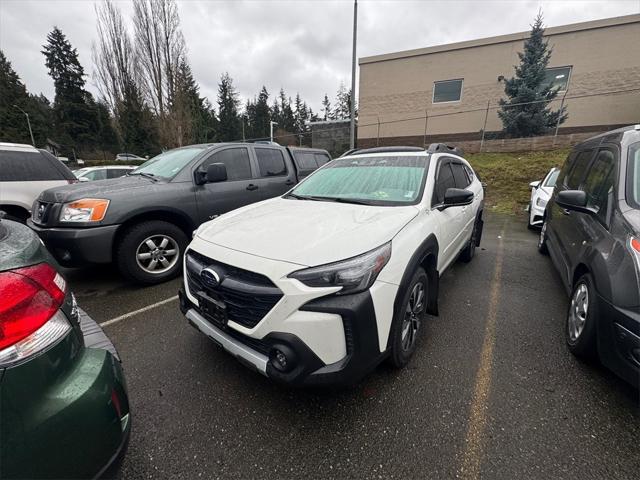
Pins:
x: 85, y: 210
x: 541, y: 202
x: 354, y: 275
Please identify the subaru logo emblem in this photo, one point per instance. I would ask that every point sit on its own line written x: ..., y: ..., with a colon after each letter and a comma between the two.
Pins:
x: 210, y: 277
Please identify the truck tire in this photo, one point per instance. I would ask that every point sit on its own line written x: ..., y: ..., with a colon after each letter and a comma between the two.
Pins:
x: 151, y: 252
x: 406, y: 322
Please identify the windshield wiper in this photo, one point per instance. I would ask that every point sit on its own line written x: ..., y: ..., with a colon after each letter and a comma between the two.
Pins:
x: 302, y: 197
x: 145, y: 175
x: 348, y: 200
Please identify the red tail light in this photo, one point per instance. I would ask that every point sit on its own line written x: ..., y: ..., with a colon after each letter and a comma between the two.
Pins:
x: 635, y: 244
x: 29, y: 297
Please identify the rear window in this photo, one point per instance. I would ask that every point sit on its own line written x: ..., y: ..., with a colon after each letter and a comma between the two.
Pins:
x: 29, y: 167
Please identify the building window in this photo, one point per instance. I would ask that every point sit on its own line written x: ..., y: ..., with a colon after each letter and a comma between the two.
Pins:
x: 557, y: 77
x: 447, y: 91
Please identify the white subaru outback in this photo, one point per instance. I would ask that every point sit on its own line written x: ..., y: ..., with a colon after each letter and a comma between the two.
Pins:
x: 322, y: 284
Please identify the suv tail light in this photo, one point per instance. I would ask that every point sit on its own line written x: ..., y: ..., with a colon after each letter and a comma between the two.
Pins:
x: 30, y: 299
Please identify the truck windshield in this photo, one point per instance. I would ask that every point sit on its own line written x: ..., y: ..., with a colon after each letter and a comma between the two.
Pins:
x: 168, y: 164
x: 372, y: 180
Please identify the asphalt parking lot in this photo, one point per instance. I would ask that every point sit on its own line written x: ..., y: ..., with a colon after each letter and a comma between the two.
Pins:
x: 492, y: 392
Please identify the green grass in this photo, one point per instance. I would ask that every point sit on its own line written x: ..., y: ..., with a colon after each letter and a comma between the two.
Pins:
x: 507, y: 176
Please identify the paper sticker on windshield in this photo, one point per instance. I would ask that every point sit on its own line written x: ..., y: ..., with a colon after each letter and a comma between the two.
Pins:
x: 408, y: 194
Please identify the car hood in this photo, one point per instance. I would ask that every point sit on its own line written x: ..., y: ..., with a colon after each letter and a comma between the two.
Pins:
x: 101, y: 189
x: 306, y: 232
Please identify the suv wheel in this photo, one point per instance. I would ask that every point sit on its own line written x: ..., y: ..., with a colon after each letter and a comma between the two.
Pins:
x: 580, y: 332
x: 470, y: 250
x: 151, y: 252
x: 542, y: 239
x: 406, y: 323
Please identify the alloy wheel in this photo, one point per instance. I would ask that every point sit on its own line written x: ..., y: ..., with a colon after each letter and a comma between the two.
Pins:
x: 413, y: 312
x: 577, y: 317
x: 157, y: 254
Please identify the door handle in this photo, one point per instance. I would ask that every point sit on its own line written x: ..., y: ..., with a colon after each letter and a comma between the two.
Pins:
x: 289, y: 182
x: 251, y: 186
x: 566, y: 211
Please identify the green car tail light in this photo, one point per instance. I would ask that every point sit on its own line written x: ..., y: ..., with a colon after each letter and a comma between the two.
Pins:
x: 30, y: 316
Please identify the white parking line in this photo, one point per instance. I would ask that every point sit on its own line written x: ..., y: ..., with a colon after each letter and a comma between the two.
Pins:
x: 140, y: 310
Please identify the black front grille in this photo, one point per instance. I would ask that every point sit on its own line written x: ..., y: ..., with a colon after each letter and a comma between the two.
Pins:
x: 248, y: 296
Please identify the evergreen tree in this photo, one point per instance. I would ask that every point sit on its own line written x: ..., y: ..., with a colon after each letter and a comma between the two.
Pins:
x: 107, y: 138
x: 285, y: 118
x: 520, y: 118
x: 327, y: 112
x: 13, y: 124
x: 342, y: 109
x: 75, y: 113
x: 262, y: 115
x: 41, y: 117
x: 229, y: 128
x: 300, y: 115
x: 192, y: 114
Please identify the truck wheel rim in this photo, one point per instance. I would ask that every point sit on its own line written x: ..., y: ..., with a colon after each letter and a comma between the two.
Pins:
x: 412, y: 315
x: 157, y: 254
x: 578, y: 312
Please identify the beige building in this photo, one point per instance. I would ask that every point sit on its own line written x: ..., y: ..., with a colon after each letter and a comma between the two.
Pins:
x: 444, y: 90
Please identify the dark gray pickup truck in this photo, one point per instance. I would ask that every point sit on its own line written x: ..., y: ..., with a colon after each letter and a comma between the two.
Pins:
x: 144, y: 221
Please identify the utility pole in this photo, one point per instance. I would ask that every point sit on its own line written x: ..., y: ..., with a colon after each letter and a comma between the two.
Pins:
x: 28, y: 123
x: 352, y: 142
x: 271, y: 124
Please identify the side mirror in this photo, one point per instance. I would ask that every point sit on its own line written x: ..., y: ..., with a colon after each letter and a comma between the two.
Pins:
x: 575, y: 200
x: 535, y: 184
x: 216, y: 172
x: 456, y: 197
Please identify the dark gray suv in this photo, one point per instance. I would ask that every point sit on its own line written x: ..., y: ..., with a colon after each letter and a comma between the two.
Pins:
x: 591, y: 230
x: 143, y: 221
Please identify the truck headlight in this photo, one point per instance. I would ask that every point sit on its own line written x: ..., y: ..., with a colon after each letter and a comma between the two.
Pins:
x: 84, y: 210
x: 354, y: 275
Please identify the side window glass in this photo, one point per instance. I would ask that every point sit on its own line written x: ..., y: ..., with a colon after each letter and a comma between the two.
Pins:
x: 469, y: 174
x: 599, y: 184
x: 235, y: 159
x: 306, y: 161
x: 445, y: 180
x: 578, y: 169
x: 270, y: 162
x: 322, y: 158
x: 459, y: 175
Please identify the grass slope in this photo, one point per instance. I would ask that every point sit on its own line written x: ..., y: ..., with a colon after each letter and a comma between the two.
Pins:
x: 507, y: 176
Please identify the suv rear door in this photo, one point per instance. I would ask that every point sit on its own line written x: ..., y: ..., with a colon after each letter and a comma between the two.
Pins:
x: 238, y: 190
x: 275, y: 174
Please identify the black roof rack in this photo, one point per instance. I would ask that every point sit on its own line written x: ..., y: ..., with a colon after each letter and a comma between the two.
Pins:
x: 444, y: 148
x: 386, y: 150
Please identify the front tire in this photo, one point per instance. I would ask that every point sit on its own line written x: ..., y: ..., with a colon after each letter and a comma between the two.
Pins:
x: 407, y: 320
x: 151, y: 252
x: 582, y: 316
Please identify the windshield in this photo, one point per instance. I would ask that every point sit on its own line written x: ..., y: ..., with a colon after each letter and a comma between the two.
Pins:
x: 633, y: 179
x: 79, y: 173
x: 375, y: 180
x: 169, y: 163
x: 551, y: 178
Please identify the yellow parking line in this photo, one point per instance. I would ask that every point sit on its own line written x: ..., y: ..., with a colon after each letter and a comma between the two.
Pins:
x: 474, y: 440
x: 140, y: 310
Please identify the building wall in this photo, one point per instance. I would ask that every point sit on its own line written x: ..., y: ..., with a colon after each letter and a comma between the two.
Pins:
x: 396, y: 89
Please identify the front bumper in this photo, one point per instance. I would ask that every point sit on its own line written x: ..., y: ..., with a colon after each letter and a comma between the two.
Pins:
x: 65, y: 412
x: 78, y: 246
x: 305, y: 367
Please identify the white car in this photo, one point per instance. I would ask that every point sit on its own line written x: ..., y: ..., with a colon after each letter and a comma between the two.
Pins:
x: 322, y: 284
x: 25, y: 172
x: 541, y: 192
x: 102, y: 173
x: 126, y: 157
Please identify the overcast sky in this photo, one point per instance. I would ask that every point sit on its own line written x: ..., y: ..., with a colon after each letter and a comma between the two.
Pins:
x: 302, y: 46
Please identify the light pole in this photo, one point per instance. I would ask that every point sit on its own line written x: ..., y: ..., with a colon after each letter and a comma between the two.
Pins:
x: 28, y: 123
x: 271, y: 124
x: 352, y: 141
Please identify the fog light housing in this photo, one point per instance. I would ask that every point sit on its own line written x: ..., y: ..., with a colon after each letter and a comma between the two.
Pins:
x: 282, y: 358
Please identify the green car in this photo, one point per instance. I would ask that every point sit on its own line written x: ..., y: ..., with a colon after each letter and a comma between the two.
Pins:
x: 64, y: 410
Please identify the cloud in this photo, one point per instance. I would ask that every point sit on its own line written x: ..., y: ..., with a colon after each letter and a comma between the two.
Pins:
x: 301, y: 46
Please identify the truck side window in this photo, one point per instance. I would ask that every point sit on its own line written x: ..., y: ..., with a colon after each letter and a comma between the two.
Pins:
x: 270, y: 162
x: 235, y: 159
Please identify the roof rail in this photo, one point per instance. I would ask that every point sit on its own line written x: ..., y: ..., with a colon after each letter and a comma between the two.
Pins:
x: 386, y: 150
x: 444, y: 148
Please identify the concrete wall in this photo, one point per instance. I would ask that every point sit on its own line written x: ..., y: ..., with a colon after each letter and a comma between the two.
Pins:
x: 396, y: 89
x: 333, y: 136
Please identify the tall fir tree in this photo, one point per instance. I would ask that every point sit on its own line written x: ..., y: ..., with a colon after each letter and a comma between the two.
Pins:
x: 13, y: 97
x: 520, y: 117
x: 259, y: 115
x: 327, y: 111
x: 229, y: 128
x: 75, y: 113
